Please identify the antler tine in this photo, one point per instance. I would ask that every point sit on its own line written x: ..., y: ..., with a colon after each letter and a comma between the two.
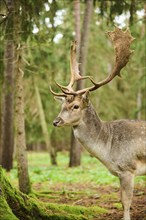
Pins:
x: 74, y: 65
x: 75, y: 76
x: 74, y: 68
x: 121, y: 41
x: 57, y: 94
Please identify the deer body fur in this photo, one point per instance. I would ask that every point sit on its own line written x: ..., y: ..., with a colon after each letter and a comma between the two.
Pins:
x: 120, y: 145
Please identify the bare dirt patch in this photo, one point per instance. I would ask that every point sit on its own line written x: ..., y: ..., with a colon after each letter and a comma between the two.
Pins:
x: 89, y: 195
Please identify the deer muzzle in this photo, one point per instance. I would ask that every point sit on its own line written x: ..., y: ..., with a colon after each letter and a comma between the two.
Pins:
x: 58, y: 122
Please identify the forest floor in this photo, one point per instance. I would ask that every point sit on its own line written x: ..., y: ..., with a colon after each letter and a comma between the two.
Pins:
x: 89, y: 195
x: 89, y: 185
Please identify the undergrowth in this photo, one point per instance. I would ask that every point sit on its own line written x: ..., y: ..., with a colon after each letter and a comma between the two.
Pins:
x: 90, y: 171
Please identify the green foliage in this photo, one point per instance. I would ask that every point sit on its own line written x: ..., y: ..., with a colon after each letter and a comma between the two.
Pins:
x: 91, y: 171
x: 111, y: 9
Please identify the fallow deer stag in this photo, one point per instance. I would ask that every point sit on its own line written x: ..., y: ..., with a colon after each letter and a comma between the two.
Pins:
x: 120, y: 145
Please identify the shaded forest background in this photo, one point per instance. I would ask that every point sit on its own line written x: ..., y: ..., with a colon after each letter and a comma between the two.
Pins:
x: 36, y: 41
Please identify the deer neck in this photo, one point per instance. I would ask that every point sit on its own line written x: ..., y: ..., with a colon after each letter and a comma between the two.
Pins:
x: 93, y: 134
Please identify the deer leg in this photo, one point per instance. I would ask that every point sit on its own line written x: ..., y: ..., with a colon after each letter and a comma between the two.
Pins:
x: 127, y: 186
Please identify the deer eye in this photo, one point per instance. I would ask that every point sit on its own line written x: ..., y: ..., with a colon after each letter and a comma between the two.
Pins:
x: 76, y: 106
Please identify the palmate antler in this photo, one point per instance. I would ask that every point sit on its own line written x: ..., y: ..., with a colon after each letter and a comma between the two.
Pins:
x: 74, y: 68
x: 121, y: 41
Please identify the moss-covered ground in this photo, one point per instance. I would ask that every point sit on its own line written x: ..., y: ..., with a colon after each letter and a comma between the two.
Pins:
x: 85, y: 192
x: 16, y: 205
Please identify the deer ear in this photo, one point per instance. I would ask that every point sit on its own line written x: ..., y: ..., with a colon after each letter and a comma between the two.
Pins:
x: 59, y: 98
x: 85, y: 97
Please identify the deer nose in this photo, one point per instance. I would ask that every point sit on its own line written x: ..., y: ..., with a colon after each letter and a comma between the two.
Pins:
x: 57, y: 121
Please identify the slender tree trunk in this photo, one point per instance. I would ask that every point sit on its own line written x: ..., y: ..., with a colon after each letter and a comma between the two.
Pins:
x: 139, y: 104
x: 24, y: 183
x: 82, y: 39
x: 0, y: 134
x: 7, y: 140
x: 7, y: 137
x: 139, y: 93
x: 75, y: 152
x: 77, y: 23
x: 44, y: 127
x: 75, y: 146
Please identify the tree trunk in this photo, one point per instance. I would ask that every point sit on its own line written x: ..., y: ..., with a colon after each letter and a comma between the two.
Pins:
x: 21, y: 153
x: 7, y: 140
x: 24, y: 183
x: 75, y: 152
x: 77, y: 23
x: 75, y: 146
x: 82, y: 39
x: 139, y: 93
x: 44, y: 127
x: 139, y: 104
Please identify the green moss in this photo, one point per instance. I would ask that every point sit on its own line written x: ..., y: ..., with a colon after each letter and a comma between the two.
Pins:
x: 40, y: 195
x: 110, y: 196
x: 78, y: 209
x: 5, y: 211
x: 117, y: 205
x: 16, y: 205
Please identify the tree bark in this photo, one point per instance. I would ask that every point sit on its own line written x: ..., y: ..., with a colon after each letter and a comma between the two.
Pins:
x: 7, y: 136
x: 77, y: 23
x: 24, y: 183
x: 75, y: 146
x: 139, y: 93
x: 82, y: 39
x: 75, y: 152
x: 139, y: 104
x: 50, y: 149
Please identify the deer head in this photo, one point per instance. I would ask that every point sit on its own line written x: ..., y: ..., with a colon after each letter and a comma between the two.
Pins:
x: 72, y: 110
x: 74, y: 102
